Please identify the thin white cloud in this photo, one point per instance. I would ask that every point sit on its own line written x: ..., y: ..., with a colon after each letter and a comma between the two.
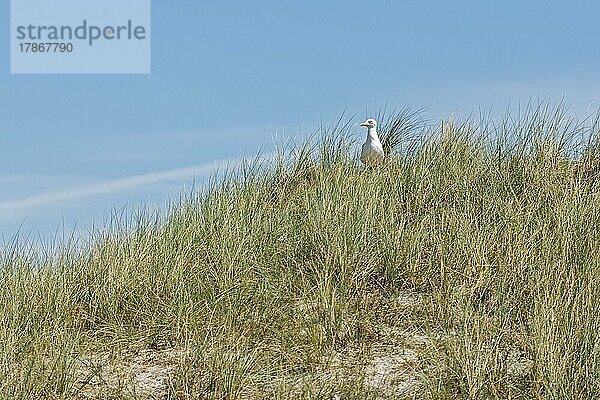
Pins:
x: 20, y: 178
x: 116, y: 185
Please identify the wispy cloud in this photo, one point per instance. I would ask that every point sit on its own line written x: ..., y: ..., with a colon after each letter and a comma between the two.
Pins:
x: 117, y: 185
x: 19, y: 178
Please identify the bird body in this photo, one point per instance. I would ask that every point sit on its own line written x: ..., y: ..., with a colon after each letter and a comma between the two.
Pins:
x: 372, y: 150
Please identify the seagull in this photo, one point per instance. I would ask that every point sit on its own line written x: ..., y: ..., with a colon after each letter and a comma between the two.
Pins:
x: 372, y: 150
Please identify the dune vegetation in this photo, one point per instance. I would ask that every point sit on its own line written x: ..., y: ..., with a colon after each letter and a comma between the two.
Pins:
x: 467, y: 266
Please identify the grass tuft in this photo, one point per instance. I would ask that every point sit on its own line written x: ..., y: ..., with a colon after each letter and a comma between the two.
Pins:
x: 466, y: 266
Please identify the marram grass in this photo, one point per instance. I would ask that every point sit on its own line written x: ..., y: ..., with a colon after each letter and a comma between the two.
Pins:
x: 465, y: 267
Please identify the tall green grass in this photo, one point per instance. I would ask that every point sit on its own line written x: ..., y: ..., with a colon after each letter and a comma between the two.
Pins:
x: 283, y: 280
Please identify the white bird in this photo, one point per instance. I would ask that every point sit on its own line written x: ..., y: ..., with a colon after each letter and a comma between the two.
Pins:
x: 372, y: 150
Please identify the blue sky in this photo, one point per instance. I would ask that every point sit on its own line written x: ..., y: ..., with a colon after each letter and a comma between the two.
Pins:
x: 229, y: 77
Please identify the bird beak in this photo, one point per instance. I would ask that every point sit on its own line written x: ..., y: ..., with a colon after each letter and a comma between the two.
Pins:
x: 364, y: 124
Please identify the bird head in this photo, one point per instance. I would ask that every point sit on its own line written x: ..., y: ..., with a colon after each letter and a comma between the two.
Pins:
x: 370, y: 123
